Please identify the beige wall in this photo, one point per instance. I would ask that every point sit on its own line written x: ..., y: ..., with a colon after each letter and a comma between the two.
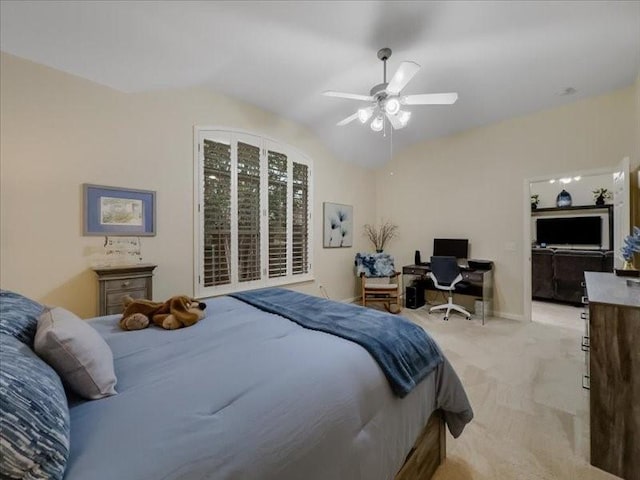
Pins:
x: 470, y: 185
x: 59, y: 131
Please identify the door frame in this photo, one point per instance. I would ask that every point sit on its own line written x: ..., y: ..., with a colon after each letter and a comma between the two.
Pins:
x: 526, y: 227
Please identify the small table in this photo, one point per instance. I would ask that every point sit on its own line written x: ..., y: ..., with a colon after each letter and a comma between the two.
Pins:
x: 116, y: 282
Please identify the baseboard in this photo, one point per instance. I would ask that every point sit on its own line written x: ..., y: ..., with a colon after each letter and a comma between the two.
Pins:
x: 350, y: 300
x: 509, y: 316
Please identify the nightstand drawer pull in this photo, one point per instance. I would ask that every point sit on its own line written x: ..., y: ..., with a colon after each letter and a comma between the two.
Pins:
x: 583, y: 315
x: 585, y: 300
x: 586, y: 382
x: 585, y: 344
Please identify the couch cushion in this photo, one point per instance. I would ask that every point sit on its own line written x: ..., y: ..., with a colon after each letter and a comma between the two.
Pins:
x: 34, y: 425
x: 77, y: 352
x: 19, y: 316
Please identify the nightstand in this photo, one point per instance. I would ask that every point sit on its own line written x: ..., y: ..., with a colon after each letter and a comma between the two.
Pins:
x: 116, y: 282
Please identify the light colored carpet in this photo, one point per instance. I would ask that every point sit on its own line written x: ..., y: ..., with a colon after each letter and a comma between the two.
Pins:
x: 524, y: 383
x: 557, y: 314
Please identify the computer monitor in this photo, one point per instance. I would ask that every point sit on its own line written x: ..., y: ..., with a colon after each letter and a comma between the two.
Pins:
x: 451, y: 247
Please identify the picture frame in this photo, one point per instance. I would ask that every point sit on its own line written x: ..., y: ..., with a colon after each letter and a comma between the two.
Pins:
x: 338, y: 225
x: 117, y: 211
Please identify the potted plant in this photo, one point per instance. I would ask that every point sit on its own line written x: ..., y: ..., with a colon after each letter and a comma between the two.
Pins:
x: 535, y: 200
x: 379, y: 235
x: 600, y: 195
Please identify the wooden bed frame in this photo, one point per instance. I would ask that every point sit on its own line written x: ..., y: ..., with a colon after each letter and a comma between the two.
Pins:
x: 428, y: 452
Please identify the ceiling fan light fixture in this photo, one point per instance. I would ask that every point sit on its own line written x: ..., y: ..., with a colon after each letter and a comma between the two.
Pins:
x: 392, y: 106
x: 364, y: 114
x: 404, y: 117
x: 377, y: 124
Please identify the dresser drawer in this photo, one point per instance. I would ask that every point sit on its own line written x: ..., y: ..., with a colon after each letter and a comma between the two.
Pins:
x: 115, y: 298
x: 128, y: 283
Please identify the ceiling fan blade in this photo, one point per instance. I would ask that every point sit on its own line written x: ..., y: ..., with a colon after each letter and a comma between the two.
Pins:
x: 430, y: 99
x: 349, y: 119
x: 395, y: 122
x: 350, y: 96
x: 403, y: 75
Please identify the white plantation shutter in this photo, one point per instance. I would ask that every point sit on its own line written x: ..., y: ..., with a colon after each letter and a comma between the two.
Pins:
x: 248, y: 212
x: 277, y: 163
x: 253, y: 218
x: 300, y: 205
x: 217, y: 213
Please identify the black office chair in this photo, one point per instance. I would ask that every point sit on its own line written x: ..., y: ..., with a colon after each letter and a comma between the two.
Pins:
x: 445, y: 274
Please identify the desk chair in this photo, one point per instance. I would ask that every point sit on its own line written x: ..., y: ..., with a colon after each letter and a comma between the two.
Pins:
x: 379, y: 280
x: 445, y: 274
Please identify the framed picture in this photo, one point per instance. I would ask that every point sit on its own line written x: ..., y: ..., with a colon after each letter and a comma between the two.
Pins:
x: 118, y: 211
x: 338, y: 225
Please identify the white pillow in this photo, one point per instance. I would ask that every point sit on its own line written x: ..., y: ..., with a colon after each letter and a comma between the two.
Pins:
x: 75, y: 350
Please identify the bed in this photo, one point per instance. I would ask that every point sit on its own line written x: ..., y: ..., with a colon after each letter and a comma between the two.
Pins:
x: 248, y: 394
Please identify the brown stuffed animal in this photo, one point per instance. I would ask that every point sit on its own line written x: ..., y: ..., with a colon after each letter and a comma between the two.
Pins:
x: 177, y: 312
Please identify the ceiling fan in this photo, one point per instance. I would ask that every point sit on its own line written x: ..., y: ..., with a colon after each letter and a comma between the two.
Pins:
x: 386, y: 98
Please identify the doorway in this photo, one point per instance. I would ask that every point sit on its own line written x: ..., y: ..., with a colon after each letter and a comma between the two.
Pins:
x: 576, y: 231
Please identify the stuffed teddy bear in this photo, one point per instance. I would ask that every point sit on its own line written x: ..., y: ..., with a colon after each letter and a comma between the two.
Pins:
x: 177, y: 312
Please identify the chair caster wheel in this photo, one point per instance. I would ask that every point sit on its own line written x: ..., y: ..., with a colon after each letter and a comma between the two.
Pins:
x: 446, y: 319
x: 468, y: 318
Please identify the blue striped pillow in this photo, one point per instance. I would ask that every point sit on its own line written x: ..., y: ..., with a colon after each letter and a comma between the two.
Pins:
x: 19, y: 316
x: 34, y: 420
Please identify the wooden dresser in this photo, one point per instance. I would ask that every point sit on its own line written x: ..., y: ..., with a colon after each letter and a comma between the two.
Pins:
x: 614, y: 361
x: 116, y: 282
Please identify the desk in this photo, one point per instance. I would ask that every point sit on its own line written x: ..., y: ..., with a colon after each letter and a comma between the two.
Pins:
x: 479, y: 284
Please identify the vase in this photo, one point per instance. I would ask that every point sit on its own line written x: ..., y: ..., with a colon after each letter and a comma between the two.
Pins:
x: 563, y: 199
x: 628, y: 265
x: 600, y: 200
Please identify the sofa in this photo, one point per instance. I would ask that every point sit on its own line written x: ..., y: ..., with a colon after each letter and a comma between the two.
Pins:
x: 558, y: 274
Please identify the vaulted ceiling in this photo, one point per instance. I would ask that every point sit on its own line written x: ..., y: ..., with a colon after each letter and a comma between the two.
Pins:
x: 505, y: 59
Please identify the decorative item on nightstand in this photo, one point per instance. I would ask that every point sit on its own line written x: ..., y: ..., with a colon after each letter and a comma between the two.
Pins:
x: 600, y: 195
x: 630, y: 247
x: 563, y: 199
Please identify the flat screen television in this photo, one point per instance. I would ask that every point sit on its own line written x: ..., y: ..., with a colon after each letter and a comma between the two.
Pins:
x: 451, y: 247
x: 569, y: 231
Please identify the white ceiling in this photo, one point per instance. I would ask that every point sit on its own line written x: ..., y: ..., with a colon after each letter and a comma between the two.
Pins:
x: 503, y: 58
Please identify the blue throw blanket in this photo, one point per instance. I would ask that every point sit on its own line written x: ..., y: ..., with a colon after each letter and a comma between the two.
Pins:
x: 405, y: 352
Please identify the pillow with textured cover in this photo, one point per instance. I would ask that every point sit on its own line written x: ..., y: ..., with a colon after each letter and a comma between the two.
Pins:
x: 19, y: 316
x: 77, y: 352
x: 34, y: 425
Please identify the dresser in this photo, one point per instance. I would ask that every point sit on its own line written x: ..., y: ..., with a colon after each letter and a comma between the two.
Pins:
x: 613, y: 350
x: 116, y: 282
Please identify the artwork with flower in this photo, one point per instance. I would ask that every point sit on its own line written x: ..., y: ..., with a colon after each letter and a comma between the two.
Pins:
x: 338, y: 225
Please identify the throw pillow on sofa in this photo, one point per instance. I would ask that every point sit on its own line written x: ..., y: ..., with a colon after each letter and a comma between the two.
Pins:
x: 19, y: 316
x: 34, y: 425
x: 77, y: 352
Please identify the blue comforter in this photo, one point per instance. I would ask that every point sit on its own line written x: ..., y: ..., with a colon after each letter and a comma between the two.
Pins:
x: 405, y: 352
